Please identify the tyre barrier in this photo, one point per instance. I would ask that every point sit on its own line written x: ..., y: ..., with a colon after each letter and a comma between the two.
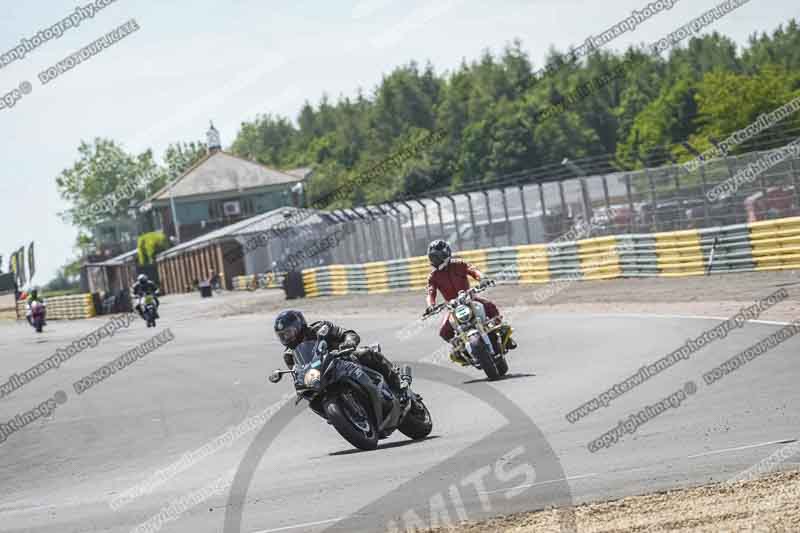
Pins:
x: 75, y: 307
x: 757, y: 246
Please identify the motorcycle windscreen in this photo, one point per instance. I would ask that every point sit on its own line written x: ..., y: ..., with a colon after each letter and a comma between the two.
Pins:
x: 305, y: 353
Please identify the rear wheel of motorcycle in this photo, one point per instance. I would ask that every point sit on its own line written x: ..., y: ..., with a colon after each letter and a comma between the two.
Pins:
x: 418, y: 423
x: 352, y: 420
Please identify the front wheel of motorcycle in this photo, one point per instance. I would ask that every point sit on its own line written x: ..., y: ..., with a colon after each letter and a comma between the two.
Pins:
x: 481, y: 352
x: 352, y: 420
x: 418, y: 423
x: 502, y: 365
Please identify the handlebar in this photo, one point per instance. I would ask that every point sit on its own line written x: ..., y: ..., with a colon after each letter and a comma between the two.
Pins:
x: 343, y: 351
x: 277, y: 375
x: 452, y: 303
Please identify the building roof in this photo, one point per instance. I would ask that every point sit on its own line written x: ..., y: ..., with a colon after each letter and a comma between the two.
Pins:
x: 257, y: 224
x: 300, y: 172
x: 118, y: 260
x: 221, y: 172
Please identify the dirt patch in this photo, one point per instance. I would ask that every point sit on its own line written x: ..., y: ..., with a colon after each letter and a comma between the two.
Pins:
x: 771, y: 503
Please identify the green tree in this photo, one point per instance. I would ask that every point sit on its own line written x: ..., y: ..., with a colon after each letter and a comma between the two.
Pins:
x: 727, y: 102
x: 180, y: 157
x: 105, y: 172
x: 149, y: 245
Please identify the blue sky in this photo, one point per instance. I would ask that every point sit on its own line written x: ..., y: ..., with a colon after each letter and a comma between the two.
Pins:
x: 192, y: 61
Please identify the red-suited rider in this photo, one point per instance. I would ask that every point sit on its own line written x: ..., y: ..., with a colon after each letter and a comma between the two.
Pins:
x: 449, y: 276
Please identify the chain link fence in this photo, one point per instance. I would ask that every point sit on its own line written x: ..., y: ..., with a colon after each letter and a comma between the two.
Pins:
x: 650, y: 200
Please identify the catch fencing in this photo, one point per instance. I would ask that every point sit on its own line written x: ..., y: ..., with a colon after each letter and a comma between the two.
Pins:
x: 757, y: 246
x: 537, y: 209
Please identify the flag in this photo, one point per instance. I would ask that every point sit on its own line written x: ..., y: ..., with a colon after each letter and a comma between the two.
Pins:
x: 31, y: 261
x: 23, y: 279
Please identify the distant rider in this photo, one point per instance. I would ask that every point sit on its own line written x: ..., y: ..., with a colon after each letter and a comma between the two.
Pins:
x: 33, y: 296
x: 449, y: 276
x: 291, y: 329
x: 214, y: 280
x: 143, y: 287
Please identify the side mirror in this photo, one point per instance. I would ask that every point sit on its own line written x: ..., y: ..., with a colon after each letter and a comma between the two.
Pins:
x: 322, y: 347
x: 276, y: 376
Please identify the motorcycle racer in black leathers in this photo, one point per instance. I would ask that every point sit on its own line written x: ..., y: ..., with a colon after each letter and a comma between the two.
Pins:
x: 291, y: 329
x: 142, y: 287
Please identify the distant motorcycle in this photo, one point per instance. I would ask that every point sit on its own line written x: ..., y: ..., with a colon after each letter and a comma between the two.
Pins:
x: 354, y: 399
x: 148, y: 309
x: 37, y: 315
x: 478, y: 340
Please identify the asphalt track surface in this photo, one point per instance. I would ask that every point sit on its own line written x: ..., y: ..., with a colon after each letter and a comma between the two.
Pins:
x: 59, y: 473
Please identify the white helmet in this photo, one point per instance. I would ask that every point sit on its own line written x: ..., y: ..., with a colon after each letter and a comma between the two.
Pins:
x: 142, y: 278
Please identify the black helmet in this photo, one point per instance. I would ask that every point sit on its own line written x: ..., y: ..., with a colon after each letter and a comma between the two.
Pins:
x: 439, y: 253
x: 290, y: 327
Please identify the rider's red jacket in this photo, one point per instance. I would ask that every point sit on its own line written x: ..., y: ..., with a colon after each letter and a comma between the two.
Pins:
x: 451, y: 280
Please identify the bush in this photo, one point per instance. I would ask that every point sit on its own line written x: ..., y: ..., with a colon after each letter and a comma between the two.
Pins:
x: 149, y: 245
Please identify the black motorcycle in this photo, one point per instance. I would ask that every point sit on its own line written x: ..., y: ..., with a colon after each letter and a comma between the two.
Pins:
x: 355, y: 399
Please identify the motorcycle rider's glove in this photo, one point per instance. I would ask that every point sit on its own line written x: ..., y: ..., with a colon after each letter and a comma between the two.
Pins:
x: 348, y: 343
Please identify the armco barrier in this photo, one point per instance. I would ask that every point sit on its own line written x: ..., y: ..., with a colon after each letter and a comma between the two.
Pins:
x: 767, y: 245
x: 75, y: 307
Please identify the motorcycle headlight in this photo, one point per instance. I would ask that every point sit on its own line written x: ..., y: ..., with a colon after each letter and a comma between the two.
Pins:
x: 311, y: 378
x: 463, y: 313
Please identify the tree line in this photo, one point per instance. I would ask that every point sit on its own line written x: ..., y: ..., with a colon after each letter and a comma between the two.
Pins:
x: 488, y: 113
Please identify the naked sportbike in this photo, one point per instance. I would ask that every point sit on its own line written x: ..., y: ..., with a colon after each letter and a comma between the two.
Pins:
x: 479, y: 341
x: 354, y: 399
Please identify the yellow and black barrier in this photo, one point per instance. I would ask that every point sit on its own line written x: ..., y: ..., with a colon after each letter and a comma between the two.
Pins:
x: 257, y: 281
x: 76, y: 307
x: 757, y: 246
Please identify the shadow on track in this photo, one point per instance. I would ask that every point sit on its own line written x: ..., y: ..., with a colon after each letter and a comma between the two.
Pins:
x: 507, y: 376
x: 386, y: 446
